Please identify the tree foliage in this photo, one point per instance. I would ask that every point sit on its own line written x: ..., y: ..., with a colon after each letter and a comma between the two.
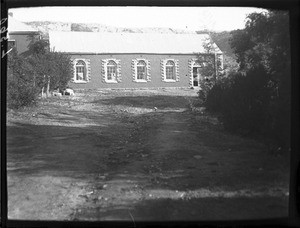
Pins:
x: 50, y: 67
x: 243, y: 101
x: 256, y: 99
x: 41, y: 71
x: 264, y: 41
x: 20, y: 89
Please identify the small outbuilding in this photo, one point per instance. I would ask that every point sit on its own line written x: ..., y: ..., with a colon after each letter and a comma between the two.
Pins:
x: 136, y: 60
x: 20, y: 35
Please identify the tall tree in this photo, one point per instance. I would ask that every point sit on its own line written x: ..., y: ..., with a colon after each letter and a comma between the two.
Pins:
x: 51, y: 69
x: 265, y: 41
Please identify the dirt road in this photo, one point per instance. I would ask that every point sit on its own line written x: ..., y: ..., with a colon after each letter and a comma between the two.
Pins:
x: 113, y: 156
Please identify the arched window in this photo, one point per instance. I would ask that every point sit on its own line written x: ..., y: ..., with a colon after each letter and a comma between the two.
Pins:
x: 141, y: 70
x: 170, y: 70
x: 80, y: 71
x: 111, y: 70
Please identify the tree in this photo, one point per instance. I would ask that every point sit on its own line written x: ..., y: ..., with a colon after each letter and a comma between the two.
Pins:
x: 269, y: 34
x: 263, y: 53
x: 39, y: 47
x: 264, y: 41
x: 211, y: 69
x: 39, y: 70
x: 20, y: 91
x: 52, y: 69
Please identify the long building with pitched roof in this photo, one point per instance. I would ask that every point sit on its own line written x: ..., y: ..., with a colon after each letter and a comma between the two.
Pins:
x: 135, y: 60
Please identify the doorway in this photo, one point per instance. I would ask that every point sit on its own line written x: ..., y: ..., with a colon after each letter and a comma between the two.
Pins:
x: 196, y: 76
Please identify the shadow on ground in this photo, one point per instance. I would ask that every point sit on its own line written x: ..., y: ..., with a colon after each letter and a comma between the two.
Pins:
x: 64, y: 150
x: 159, y: 101
x: 204, y: 209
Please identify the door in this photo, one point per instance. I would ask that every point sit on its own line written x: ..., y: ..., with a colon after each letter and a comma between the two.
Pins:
x: 196, y: 76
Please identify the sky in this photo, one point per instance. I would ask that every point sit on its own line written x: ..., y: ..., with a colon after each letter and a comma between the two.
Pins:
x: 189, y: 18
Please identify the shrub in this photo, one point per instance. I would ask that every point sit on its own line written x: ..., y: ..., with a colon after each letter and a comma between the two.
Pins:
x: 53, y: 68
x: 20, y: 92
x: 215, y: 96
x: 254, y: 104
x: 64, y: 71
x: 205, y: 87
x: 30, y: 73
x: 279, y: 119
x: 243, y: 101
x: 20, y: 89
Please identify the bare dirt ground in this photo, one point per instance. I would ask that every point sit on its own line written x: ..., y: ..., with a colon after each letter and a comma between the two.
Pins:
x: 110, y: 155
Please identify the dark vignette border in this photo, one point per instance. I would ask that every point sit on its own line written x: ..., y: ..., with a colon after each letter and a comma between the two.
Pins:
x: 294, y: 202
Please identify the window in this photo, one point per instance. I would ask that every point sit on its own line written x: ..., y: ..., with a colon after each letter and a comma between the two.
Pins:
x: 141, y: 70
x: 195, y: 69
x: 11, y: 44
x: 170, y: 70
x: 111, y: 71
x: 82, y: 70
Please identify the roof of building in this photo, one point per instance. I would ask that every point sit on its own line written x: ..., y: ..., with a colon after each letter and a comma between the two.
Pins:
x: 125, y: 43
x: 18, y: 26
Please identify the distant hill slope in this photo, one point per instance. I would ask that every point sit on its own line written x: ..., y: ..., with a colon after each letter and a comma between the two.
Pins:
x: 46, y: 26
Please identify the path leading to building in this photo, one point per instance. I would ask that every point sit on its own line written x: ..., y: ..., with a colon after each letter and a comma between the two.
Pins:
x: 179, y: 171
x: 116, y: 157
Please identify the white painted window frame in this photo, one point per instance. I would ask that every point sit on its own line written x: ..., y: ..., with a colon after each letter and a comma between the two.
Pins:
x: 86, y: 69
x: 104, y: 63
x: 164, y: 70
x: 134, y: 69
x: 191, y: 64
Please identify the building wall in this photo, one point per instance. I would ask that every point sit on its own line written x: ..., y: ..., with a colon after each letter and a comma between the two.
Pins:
x: 22, y: 41
x: 96, y: 78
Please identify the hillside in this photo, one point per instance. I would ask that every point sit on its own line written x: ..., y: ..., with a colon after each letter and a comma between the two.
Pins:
x: 46, y: 26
